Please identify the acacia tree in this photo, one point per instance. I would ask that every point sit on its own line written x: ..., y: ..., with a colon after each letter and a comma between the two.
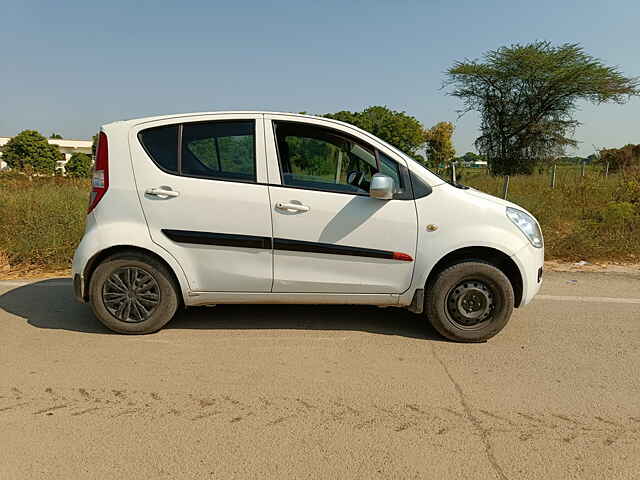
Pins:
x: 439, y: 148
x: 30, y: 151
x: 403, y: 131
x: 526, y: 96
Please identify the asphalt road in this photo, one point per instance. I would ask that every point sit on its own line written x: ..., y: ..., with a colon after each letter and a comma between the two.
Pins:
x: 322, y: 392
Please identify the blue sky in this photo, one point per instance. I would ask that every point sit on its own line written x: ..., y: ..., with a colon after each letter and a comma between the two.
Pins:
x: 70, y: 66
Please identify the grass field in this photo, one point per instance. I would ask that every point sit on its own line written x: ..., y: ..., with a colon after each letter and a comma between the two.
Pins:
x: 592, y: 218
x: 41, y: 221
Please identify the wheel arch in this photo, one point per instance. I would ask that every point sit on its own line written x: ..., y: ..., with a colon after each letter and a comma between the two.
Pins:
x: 490, y: 255
x: 94, y: 261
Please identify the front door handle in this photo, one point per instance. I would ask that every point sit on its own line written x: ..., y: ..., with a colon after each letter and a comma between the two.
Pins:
x: 296, y: 207
x: 162, y: 192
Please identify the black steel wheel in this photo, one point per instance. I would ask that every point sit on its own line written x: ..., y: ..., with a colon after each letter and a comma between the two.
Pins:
x: 470, y: 301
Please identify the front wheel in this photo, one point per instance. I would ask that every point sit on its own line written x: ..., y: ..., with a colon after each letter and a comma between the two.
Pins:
x: 470, y: 301
x: 132, y: 293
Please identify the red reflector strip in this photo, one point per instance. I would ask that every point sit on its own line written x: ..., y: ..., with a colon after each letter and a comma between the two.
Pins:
x: 402, y: 256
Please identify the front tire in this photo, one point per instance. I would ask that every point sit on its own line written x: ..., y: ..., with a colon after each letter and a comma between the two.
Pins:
x: 132, y: 293
x: 470, y: 301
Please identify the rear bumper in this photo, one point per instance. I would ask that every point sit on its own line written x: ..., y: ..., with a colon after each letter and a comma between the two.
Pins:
x: 530, y: 261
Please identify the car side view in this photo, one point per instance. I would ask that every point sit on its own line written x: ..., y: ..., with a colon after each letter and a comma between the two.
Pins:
x: 263, y: 207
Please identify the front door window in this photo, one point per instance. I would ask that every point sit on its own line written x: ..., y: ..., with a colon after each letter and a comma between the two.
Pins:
x: 322, y: 159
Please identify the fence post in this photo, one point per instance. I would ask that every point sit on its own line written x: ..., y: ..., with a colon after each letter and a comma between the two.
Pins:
x: 553, y: 176
x: 454, y: 180
x: 505, y: 187
x: 582, y: 169
x: 606, y: 170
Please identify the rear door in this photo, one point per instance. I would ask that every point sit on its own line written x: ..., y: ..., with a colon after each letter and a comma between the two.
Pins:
x: 329, y: 235
x: 201, y: 182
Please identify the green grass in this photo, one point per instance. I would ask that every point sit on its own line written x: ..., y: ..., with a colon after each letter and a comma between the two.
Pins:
x: 591, y: 218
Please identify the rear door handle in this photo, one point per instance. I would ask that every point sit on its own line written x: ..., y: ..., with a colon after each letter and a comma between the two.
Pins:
x: 162, y: 192
x: 296, y: 207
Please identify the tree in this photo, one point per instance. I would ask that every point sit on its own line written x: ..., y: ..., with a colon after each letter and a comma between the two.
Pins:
x: 440, y: 149
x: 56, y: 136
x: 403, y: 131
x: 470, y: 157
x: 30, y: 151
x: 621, y: 158
x: 79, y: 165
x: 526, y: 96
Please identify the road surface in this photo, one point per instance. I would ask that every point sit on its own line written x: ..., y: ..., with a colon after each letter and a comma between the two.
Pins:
x: 322, y: 392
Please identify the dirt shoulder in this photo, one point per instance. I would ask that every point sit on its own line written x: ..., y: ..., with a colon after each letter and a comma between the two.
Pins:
x: 599, y: 267
x: 551, y: 265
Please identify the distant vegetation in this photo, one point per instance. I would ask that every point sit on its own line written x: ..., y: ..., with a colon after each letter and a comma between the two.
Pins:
x: 526, y: 96
x: 592, y: 218
x: 30, y: 152
x: 79, y: 165
x: 403, y: 131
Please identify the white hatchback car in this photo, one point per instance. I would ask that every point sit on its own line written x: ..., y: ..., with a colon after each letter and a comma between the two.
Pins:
x: 259, y: 207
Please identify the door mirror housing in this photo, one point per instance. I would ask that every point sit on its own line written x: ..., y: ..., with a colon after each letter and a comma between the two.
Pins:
x: 381, y: 187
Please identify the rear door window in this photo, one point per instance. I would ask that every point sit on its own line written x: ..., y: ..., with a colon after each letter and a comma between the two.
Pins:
x: 219, y: 150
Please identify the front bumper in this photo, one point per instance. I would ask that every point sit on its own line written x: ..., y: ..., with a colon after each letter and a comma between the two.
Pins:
x: 530, y: 261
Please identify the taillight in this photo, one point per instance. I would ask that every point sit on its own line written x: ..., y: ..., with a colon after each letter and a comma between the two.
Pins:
x: 100, y: 180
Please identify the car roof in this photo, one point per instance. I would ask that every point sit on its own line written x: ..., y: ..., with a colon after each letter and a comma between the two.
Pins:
x: 221, y: 112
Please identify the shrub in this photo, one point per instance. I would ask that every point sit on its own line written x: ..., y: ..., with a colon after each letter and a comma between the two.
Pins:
x: 79, y: 165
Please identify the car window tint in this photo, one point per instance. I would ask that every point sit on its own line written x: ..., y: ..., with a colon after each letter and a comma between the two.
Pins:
x: 320, y: 158
x: 219, y: 150
x: 161, y: 144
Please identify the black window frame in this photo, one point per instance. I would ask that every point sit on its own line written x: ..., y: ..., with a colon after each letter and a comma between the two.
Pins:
x: 180, y: 173
x: 406, y: 193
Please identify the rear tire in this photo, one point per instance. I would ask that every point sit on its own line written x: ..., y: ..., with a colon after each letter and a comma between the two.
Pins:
x: 133, y: 293
x: 470, y: 301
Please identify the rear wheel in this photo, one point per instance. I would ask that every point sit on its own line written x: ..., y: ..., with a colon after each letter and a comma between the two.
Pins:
x: 132, y: 293
x: 470, y: 301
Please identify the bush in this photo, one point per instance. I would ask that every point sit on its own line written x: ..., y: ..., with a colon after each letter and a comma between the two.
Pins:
x: 30, y: 152
x: 79, y: 165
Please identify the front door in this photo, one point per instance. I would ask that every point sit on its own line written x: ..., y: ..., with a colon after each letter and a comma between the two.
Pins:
x: 198, y: 183
x: 329, y: 235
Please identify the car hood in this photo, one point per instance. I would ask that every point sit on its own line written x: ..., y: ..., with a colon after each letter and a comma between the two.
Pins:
x: 491, y: 198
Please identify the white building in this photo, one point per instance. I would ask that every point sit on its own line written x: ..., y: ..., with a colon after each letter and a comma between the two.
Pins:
x: 66, y: 147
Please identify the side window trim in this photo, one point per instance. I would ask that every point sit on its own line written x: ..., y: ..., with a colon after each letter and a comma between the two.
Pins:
x: 179, y: 152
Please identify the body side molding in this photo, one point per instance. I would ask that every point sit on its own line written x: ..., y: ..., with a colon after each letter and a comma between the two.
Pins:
x: 285, y: 244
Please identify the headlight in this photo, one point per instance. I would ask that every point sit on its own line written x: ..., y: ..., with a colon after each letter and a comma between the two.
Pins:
x: 527, y: 225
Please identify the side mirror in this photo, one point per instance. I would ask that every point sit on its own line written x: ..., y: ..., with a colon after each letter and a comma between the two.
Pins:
x: 381, y: 187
